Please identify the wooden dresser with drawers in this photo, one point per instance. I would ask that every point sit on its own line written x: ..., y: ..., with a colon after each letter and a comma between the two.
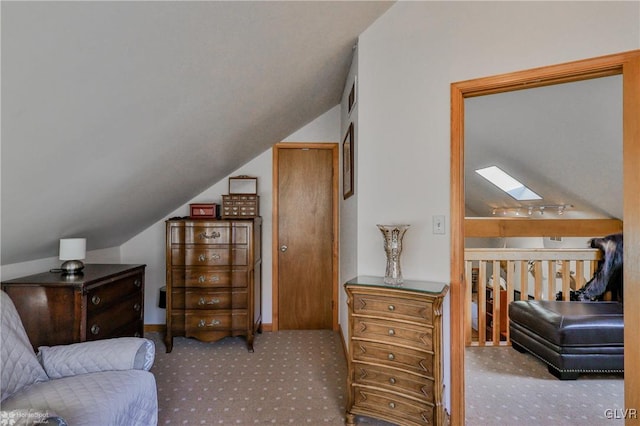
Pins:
x: 106, y: 300
x: 395, y: 351
x: 213, y: 279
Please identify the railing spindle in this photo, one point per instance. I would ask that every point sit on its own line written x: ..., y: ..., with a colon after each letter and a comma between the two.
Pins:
x: 482, y: 303
x: 469, y: 300
x: 551, y: 280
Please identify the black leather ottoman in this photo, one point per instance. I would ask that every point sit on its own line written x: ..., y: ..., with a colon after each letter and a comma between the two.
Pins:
x: 570, y: 337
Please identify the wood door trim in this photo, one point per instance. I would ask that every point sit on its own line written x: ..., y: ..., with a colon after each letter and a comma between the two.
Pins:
x: 333, y: 146
x: 627, y: 64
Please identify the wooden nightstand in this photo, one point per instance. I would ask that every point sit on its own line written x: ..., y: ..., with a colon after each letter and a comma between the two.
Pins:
x: 395, y: 351
x: 106, y: 301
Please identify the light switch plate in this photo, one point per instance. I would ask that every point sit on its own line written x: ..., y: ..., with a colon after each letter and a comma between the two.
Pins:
x: 438, y: 224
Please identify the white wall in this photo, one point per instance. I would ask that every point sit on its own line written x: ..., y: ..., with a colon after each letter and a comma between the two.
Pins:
x: 15, y: 270
x: 348, y: 207
x: 149, y: 246
x: 406, y: 62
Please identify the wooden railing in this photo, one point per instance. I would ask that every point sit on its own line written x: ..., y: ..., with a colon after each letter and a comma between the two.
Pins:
x: 522, y: 274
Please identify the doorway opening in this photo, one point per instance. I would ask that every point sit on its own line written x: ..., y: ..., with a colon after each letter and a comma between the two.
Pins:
x: 627, y: 64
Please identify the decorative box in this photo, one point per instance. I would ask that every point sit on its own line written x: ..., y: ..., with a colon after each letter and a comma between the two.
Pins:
x: 203, y: 211
x: 243, y: 199
x: 240, y: 205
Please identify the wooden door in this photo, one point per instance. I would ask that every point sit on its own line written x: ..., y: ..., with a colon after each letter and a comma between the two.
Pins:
x: 305, y: 220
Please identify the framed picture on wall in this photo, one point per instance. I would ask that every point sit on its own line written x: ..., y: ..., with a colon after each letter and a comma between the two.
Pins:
x: 347, y: 163
x: 351, y: 101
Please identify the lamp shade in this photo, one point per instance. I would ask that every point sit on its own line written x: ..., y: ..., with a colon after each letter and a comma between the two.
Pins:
x: 73, y: 248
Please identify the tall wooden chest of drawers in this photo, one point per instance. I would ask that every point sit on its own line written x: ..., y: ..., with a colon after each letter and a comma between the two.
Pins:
x: 395, y: 351
x: 106, y: 301
x: 214, y: 287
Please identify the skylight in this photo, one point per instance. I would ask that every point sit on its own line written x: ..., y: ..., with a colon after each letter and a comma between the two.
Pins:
x: 508, y: 183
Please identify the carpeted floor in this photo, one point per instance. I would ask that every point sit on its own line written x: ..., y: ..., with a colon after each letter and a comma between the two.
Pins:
x: 505, y: 387
x: 299, y: 377
x: 292, y: 378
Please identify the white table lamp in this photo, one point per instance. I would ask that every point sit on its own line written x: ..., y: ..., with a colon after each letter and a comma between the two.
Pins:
x: 72, y: 251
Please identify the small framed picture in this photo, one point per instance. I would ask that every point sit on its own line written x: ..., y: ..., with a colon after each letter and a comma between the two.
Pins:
x: 351, y: 102
x: 243, y: 184
x: 347, y: 163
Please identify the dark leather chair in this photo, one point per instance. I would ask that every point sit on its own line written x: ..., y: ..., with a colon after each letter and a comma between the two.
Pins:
x: 570, y: 337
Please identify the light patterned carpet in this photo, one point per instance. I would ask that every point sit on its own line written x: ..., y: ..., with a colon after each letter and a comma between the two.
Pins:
x: 292, y: 378
x: 299, y: 378
x: 506, y: 387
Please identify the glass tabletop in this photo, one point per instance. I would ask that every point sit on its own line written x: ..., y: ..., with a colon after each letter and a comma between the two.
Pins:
x: 431, y: 287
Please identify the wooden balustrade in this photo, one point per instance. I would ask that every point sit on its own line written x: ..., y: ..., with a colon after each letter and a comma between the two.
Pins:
x: 522, y: 274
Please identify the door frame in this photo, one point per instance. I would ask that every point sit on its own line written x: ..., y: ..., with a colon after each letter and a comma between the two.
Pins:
x: 333, y: 146
x: 627, y: 64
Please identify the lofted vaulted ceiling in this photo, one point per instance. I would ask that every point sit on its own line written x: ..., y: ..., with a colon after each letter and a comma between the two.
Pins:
x: 564, y: 142
x: 116, y: 113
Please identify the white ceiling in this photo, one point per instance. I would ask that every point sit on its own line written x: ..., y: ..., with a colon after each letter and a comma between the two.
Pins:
x: 564, y: 142
x: 116, y: 113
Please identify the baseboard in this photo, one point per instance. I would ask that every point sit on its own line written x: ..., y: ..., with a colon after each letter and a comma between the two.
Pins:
x: 155, y: 328
x: 345, y: 352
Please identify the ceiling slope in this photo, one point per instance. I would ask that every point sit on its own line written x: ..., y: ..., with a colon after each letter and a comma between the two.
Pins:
x: 564, y: 142
x: 116, y: 113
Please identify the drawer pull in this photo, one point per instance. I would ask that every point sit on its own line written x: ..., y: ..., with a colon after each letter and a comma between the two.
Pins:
x: 392, y: 380
x: 213, y: 301
x: 392, y: 405
x: 213, y: 323
x: 203, y: 257
x: 392, y: 308
x: 137, y: 334
x: 95, y: 329
x: 95, y: 299
x: 203, y: 279
x: 205, y: 236
x: 391, y: 357
x: 392, y: 332
x: 137, y: 282
x: 137, y: 307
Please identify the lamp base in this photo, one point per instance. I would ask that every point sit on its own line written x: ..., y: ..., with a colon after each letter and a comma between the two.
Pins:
x: 72, y: 267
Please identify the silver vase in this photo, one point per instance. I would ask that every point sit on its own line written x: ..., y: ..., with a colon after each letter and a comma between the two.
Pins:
x: 393, y: 249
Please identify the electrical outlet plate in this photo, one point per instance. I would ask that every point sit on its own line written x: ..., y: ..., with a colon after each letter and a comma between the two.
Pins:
x: 438, y: 224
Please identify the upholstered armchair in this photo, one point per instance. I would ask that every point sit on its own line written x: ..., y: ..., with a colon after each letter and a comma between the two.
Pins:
x: 104, y: 382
